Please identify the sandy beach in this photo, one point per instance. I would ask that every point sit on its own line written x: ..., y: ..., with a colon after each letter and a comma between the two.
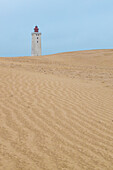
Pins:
x: 56, y: 111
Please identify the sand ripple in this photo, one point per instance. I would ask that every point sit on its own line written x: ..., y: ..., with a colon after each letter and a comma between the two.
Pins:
x: 52, y: 116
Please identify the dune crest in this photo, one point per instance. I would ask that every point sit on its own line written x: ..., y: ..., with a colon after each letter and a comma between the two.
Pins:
x: 56, y: 111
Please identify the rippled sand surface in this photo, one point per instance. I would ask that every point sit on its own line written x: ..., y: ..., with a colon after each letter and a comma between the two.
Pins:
x: 56, y: 112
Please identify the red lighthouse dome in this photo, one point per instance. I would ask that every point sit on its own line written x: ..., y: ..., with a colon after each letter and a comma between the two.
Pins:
x: 36, y: 29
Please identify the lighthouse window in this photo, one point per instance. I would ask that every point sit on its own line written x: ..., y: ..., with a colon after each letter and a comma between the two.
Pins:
x: 37, y: 41
x: 37, y: 37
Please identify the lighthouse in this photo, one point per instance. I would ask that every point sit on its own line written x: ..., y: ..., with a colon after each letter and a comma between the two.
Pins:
x: 36, y: 42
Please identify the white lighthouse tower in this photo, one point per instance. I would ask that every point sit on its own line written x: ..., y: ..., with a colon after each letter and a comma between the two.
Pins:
x: 36, y: 42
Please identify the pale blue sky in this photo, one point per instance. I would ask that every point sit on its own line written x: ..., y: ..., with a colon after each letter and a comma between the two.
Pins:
x: 65, y: 25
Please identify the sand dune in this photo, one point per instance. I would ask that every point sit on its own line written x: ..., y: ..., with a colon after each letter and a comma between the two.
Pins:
x: 56, y: 112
